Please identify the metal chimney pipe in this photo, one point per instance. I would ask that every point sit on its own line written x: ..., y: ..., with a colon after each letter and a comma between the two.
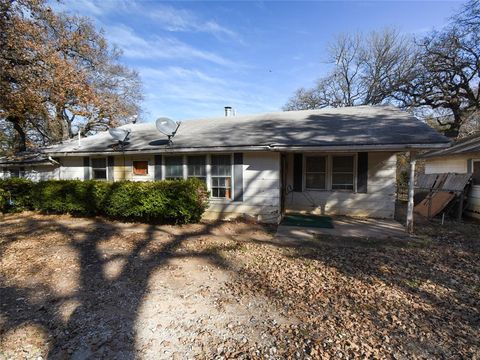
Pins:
x: 228, y: 111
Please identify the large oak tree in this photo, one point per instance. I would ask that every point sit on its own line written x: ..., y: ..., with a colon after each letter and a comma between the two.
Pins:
x: 59, y: 76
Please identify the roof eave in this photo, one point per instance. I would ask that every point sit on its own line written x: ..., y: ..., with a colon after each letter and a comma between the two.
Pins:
x: 272, y: 147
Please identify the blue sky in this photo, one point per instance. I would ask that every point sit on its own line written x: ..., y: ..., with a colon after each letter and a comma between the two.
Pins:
x: 194, y: 58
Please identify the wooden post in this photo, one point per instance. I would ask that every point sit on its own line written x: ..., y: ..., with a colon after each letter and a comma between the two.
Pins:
x: 411, y: 192
x: 460, y: 206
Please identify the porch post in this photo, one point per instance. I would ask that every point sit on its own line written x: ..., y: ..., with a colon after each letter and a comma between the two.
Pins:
x: 411, y: 192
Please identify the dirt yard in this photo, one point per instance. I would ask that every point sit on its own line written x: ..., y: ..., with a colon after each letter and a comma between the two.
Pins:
x: 82, y: 288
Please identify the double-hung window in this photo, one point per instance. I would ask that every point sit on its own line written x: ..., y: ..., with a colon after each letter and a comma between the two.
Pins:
x: 315, y: 172
x: 99, y: 168
x: 221, y: 173
x: 342, y: 172
x: 173, y: 167
x: 197, y: 167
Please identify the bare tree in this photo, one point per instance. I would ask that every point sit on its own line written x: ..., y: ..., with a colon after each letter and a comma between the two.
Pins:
x: 366, y: 70
x: 447, y: 74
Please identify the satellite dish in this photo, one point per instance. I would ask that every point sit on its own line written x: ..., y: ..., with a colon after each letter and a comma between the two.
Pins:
x: 167, y: 126
x: 119, y: 134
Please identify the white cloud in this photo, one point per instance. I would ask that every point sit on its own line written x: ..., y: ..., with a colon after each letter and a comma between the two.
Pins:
x: 174, y: 19
x: 157, y: 47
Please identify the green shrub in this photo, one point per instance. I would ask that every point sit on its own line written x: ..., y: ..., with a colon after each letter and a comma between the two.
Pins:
x: 18, y: 194
x: 170, y: 201
x: 179, y: 201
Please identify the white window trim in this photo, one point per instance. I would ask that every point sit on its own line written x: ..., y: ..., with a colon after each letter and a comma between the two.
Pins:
x: 208, y: 174
x: 185, y: 170
x: 329, y: 174
x: 326, y: 171
x: 164, y: 166
x: 91, y: 168
x: 209, y: 178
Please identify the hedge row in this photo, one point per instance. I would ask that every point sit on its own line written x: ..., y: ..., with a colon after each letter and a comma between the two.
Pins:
x: 174, y: 201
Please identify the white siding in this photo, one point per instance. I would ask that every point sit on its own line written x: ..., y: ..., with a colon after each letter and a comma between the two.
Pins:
x: 40, y: 173
x: 71, y: 168
x: 35, y: 173
x: 379, y: 201
x: 456, y: 164
x: 261, y: 191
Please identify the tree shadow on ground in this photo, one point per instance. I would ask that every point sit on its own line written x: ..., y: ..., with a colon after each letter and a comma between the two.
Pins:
x: 105, y: 309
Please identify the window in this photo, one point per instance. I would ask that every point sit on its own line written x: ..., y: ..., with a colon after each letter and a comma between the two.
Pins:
x: 140, y: 168
x: 315, y: 172
x: 221, y: 166
x: 99, y: 168
x: 14, y: 172
x: 342, y: 172
x: 197, y: 167
x: 476, y: 172
x: 174, y: 167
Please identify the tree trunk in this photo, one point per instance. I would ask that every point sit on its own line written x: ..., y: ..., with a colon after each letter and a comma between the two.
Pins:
x: 21, y: 138
x: 457, y: 122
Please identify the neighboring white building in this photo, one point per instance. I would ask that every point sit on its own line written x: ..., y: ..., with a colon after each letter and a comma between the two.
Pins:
x: 462, y: 158
x: 330, y: 161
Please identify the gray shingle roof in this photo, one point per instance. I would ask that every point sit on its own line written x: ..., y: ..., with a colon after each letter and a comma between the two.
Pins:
x: 326, y: 128
x: 468, y: 145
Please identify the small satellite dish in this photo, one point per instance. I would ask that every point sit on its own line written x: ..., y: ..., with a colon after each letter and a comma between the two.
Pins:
x: 167, y: 126
x: 119, y: 134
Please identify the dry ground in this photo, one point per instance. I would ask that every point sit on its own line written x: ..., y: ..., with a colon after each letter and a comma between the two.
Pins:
x: 85, y: 288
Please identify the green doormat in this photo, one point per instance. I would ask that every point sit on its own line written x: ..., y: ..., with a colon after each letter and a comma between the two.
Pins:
x: 308, y: 221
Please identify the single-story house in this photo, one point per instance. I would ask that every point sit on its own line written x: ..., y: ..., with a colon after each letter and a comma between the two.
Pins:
x: 329, y: 161
x: 30, y: 165
x: 462, y: 158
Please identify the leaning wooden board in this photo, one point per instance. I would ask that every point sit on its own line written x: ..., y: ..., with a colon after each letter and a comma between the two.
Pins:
x: 439, y: 201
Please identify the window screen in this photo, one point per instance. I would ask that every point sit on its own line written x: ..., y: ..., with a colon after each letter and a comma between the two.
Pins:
x: 99, y: 168
x: 197, y: 167
x: 315, y: 171
x: 140, y: 167
x: 342, y: 172
x: 173, y: 167
x: 221, y: 176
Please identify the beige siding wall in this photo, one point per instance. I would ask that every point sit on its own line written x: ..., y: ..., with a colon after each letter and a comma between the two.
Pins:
x: 379, y: 201
x: 123, y: 169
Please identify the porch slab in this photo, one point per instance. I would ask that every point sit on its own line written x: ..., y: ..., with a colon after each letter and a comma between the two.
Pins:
x: 346, y: 227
